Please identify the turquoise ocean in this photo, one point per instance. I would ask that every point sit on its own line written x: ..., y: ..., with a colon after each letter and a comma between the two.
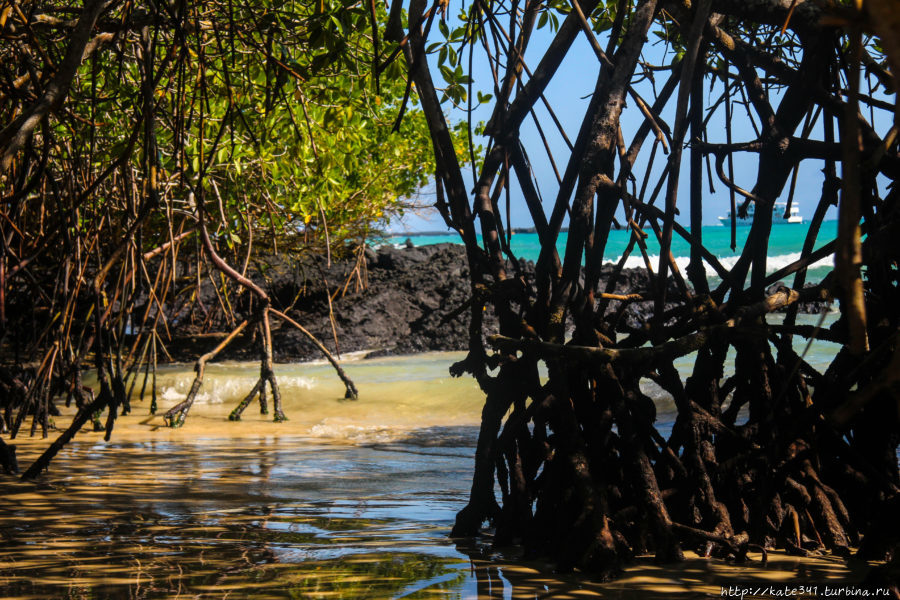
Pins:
x: 785, y: 244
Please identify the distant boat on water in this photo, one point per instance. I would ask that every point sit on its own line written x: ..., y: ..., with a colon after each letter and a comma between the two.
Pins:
x: 777, y: 215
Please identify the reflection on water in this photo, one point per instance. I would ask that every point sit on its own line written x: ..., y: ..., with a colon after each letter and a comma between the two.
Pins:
x: 292, y: 518
x: 253, y: 518
x: 346, y: 500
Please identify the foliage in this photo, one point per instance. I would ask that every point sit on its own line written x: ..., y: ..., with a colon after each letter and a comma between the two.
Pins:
x: 277, y: 105
x: 150, y: 151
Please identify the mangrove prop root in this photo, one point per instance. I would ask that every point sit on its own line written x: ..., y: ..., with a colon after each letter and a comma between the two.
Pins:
x: 773, y: 454
x: 176, y: 415
x: 267, y: 372
x: 351, y: 393
x: 84, y: 414
x: 239, y: 409
x: 266, y: 377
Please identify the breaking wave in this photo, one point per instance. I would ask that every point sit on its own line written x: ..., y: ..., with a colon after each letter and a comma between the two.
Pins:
x: 219, y: 389
x: 773, y: 263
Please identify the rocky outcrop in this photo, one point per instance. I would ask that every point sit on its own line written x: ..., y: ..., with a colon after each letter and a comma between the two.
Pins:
x: 415, y: 301
x: 395, y: 301
x: 405, y: 308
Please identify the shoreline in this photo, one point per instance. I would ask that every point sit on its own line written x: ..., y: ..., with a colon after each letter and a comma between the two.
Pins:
x: 401, y: 301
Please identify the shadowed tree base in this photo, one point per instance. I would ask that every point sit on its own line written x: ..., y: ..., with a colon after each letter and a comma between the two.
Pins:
x: 774, y: 454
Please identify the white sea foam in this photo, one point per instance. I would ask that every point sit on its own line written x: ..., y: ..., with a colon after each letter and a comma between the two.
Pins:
x: 171, y: 394
x: 344, y: 357
x: 773, y: 263
x: 221, y: 388
x: 297, y: 381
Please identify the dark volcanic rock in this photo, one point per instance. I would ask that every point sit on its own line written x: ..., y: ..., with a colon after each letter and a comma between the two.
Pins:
x: 409, y: 293
x: 415, y: 301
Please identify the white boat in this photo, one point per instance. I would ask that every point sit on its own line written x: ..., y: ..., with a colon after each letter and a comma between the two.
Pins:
x: 777, y: 215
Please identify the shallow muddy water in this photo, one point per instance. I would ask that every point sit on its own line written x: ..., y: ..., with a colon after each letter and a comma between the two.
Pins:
x: 346, y: 500
x: 293, y: 518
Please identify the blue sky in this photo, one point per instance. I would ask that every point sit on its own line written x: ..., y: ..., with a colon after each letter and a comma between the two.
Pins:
x: 568, y: 94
